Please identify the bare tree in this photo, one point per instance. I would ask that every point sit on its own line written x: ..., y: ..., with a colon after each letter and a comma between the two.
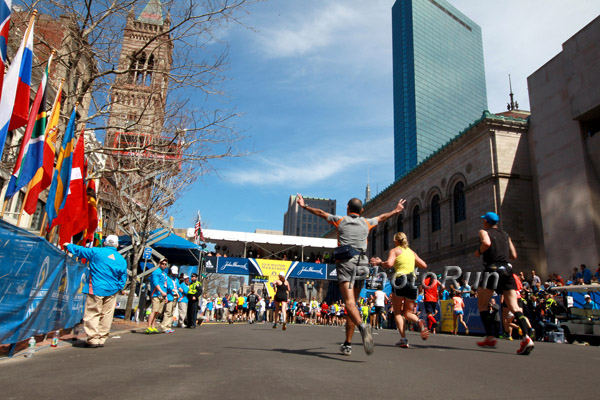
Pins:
x: 164, y: 135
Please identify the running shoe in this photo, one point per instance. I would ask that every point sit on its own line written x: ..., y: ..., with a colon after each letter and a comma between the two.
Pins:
x: 148, y: 331
x: 510, y: 338
x: 366, y: 331
x: 526, y: 346
x: 403, y: 342
x: 346, y: 349
x: 487, y: 343
x: 169, y: 331
x: 520, y: 332
x: 424, y: 330
x: 275, y: 326
x: 467, y: 331
x: 283, y: 327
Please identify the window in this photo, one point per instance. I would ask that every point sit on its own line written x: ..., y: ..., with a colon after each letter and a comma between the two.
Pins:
x: 460, y: 210
x: 399, y: 224
x: 374, y: 242
x: 141, y: 69
x: 386, y: 237
x: 436, y: 218
x: 36, y: 219
x: 416, y: 223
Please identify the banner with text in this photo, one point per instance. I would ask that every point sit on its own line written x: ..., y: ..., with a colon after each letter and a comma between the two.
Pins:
x: 270, y: 269
x: 40, y: 286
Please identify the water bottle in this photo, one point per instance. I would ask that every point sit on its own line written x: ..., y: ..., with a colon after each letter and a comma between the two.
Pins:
x: 55, y: 340
x: 30, y: 348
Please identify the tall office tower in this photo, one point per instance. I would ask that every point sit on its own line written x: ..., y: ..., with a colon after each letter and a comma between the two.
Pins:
x: 439, y: 78
x: 299, y: 222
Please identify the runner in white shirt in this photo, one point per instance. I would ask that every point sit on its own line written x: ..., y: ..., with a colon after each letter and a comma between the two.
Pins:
x: 380, y: 299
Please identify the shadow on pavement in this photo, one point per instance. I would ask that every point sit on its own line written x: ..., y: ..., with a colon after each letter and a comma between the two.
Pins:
x: 306, y: 352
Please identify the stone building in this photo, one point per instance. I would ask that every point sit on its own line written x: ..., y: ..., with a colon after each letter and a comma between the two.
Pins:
x: 485, y: 168
x: 299, y: 222
x: 564, y: 142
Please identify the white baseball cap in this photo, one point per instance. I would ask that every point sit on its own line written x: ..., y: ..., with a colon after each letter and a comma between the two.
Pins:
x: 112, y: 240
x: 174, y: 270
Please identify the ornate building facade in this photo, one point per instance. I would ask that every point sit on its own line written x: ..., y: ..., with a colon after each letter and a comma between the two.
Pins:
x: 485, y: 168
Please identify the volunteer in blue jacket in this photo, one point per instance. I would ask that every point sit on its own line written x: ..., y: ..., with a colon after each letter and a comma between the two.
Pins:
x: 183, y: 300
x: 158, y: 293
x: 107, y: 277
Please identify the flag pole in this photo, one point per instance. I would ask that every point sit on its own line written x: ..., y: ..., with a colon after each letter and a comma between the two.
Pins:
x: 29, y: 27
x: 48, y: 64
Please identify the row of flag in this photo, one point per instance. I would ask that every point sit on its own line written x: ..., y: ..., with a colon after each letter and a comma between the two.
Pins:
x: 71, y: 204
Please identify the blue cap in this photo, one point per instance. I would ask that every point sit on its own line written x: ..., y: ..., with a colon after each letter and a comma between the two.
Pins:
x: 491, y: 218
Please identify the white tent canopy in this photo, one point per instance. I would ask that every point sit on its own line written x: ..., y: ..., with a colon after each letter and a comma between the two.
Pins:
x: 238, y: 243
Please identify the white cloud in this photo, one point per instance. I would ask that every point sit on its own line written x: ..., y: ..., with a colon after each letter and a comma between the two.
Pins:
x: 308, y: 166
x: 338, y: 27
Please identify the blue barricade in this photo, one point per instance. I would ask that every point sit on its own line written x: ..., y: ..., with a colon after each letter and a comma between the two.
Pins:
x: 40, y: 286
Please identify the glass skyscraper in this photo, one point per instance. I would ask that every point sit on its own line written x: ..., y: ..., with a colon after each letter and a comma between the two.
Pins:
x: 439, y: 78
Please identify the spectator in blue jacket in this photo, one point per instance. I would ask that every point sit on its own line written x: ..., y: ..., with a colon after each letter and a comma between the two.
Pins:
x: 158, y: 293
x: 183, y: 300
x: 171, y: 303
x: 107, y: 277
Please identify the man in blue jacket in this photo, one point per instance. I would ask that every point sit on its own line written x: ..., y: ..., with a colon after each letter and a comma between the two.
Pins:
x: 158, y: 293
x: 108, y: 274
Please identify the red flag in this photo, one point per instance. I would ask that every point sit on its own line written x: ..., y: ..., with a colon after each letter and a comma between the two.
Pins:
x: 92, y: 209
x: 73, y: 217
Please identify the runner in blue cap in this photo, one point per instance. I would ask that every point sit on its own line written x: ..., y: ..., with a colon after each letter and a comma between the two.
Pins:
x: 495, y: 247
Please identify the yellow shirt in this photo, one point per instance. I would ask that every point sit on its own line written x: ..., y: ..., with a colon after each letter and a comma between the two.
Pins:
x: 404, y: 264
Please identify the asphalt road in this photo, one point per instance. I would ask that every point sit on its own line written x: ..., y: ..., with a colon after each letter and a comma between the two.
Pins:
x: 218, y: 361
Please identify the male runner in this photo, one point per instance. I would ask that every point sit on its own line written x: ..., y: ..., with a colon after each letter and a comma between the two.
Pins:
x: 252, y: 300
x: 353, y: 230
x: 496, y: 248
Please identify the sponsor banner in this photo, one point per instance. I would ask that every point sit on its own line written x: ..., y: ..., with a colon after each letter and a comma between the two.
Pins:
x: 331, y: 272
x: 308, y: 271
x: 271, y: 269
x: 471, y: 316
x: 40, y: 286
x: 254, y: 266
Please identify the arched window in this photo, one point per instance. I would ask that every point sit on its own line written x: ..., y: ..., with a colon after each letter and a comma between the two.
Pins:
x: 399, y: 224
x: 386, y: 237
x: 141, y: 70
x: 416, y: 223
x: 436, y: 217
x: 460, y: 208
x: 374, y: 242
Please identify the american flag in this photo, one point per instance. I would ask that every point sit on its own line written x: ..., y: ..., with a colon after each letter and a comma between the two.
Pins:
x: 198, y: 229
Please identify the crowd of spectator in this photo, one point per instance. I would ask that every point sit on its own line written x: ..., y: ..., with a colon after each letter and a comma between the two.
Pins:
x: 537, y: 301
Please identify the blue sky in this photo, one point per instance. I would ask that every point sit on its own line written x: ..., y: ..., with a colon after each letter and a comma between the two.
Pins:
x: 313, y: 80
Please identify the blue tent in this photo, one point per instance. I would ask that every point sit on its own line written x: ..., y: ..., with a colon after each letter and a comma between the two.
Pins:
x: 175, y: 248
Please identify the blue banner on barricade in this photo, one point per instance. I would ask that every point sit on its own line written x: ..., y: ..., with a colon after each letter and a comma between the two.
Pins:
x: 40, y: 286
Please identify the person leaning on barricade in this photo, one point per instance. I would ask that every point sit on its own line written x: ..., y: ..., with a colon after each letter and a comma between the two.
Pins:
x: 352, y: 262
x: 108, y: 274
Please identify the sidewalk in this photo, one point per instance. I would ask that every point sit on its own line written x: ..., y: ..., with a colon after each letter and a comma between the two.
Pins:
x: 67, y: 338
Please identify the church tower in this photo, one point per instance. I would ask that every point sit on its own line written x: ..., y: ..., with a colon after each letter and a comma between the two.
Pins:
x: 138, y: 97
x: 135, y: 130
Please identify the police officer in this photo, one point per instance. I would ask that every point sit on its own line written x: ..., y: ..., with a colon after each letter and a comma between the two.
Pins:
x: 194, y: 293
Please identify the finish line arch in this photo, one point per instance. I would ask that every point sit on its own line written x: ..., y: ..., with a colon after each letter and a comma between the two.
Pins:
x: 269, y: 269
